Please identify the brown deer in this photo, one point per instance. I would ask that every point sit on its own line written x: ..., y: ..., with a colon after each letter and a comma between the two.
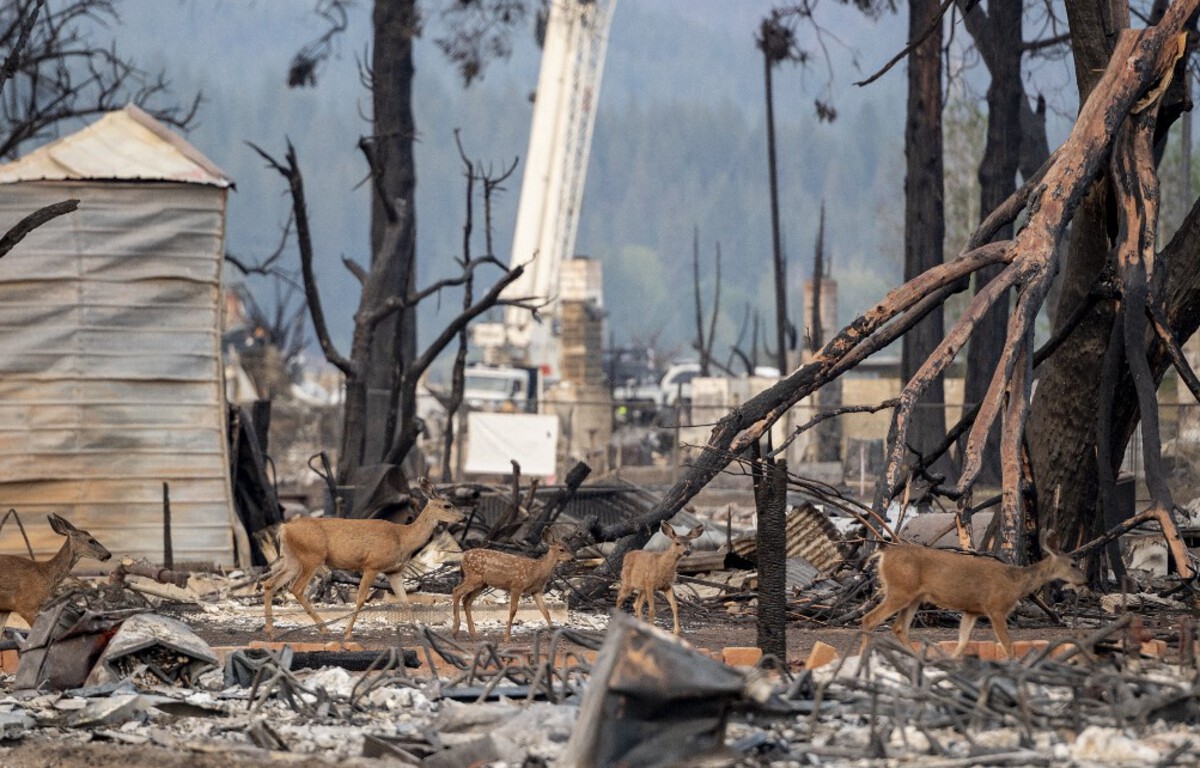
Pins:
x: 956, y: 581
x: 26, y: 584
x: 649, y: 572
x: 370, y: 547
x: 483, y: 568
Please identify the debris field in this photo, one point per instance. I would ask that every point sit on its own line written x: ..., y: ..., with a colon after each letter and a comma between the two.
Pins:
x: 153, y: 667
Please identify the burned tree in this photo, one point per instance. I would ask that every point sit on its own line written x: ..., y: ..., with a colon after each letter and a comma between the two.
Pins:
x: 828, y: 434
x: 777, y: 41
x: 1114, y: 125
x: 474, y: 172
x: 704, y: 339
x: 924, y: 209
x: 997, y: 35
x: 51, y: 71
x: 1063, y: 436
x: 471, y: 35
x: 378, y: 303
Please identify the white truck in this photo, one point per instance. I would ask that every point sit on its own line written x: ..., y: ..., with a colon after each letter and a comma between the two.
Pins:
x: 510, y: 389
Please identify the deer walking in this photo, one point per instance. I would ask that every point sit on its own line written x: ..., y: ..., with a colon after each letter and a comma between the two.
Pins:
x: 483, y: 568
x: 649, y: 572
x: 370, y: 547
x: 26, y: 584
x: 956, y: 581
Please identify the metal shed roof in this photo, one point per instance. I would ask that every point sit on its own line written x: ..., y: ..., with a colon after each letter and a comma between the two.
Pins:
x: 125, y: 145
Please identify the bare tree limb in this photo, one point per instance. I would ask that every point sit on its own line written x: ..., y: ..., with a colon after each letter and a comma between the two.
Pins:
x: 934, y: 24
x: 295, y: 180
x: 18, y: 231
x: 1140, y: 62
x: 25, y: 19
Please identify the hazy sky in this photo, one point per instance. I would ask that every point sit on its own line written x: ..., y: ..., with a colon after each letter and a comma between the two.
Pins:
x: 236, y: 53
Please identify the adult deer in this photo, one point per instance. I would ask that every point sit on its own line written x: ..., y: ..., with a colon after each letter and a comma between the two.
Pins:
x: 956, y: 581
x: 483, y: 568
x: 26, y: 584
x: 370, y: 547
x: 649, y: 572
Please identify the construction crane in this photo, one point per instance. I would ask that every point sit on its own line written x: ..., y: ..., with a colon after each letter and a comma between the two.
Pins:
x: 560, y: 138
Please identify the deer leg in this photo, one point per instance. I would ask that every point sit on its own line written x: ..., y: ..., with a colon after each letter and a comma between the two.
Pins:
x: 272, y: 583
x: 903, y: 622
x: 467, y: 600
x: 1000, y: 627
x: 467, y: 589
x: 881, y: 612
x: 299, y: 587
x: 396, y: 579
x: 622, y: 595
x: 364, y: 589
x: 455, y: 597
x: 268, y: 627
x: 639, y: 605
x: 3, y: 619
x: 669, y: 593
x: 964, y: 633
x: 514, y: 597
x: 650, y: 596
x: 537, y: 598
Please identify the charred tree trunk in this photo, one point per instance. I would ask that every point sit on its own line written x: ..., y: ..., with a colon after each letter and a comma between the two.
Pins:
x: 771, y: 501
x: 1063, y: 424
x: 1143, y: 64
x: 997, y: 34
x: 458, y: 369
x: 924, y: 215
x: 775, y: 42
x: 828, y: 434
x: 378, y: 304
x: 393, y: 346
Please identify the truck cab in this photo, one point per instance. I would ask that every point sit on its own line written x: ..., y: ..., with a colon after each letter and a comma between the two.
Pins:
x: 508, y: 389
x: 675, y: 387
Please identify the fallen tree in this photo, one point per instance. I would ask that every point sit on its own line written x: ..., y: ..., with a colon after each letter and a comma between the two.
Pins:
x: 1111, y: 134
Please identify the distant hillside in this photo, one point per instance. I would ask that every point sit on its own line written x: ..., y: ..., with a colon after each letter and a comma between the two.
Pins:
x: 679, y: 143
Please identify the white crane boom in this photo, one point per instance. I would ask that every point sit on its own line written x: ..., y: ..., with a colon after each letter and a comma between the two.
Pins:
x: 560, y: 139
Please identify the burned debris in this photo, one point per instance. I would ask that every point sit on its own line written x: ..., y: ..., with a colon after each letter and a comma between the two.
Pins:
x: 174, y: 654
x: 137, y: 667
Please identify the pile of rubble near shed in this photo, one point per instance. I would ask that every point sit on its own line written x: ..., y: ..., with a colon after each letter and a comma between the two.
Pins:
x: 630, y: 695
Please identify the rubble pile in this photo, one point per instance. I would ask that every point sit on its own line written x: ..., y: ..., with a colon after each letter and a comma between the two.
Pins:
x: 125, y: 663
x: 632, y: 695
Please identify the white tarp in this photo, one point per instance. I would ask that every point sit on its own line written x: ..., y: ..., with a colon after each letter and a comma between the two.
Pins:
x: 496, y: 439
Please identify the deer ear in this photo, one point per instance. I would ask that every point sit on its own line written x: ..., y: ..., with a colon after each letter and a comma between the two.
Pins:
x: 428, y: 489
x: 548, y: 536
x: 59, y: 524
x: 667, y: 529
x: 1049, y: 540
x: 695, y: 532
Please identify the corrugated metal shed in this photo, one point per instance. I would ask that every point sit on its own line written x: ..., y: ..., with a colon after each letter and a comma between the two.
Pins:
x: 110, y: 375
x: 128, y: 145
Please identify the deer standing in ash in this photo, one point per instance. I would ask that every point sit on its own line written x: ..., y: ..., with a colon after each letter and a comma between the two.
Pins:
x: 26, y: 584
x: 649, y: 572
x: 483, y: 568
x: 975, y: 585
x: 370, y: 547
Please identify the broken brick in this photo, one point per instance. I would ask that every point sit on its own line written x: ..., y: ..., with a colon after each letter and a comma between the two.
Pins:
x: 741, y: 656
x: 820, y: 655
